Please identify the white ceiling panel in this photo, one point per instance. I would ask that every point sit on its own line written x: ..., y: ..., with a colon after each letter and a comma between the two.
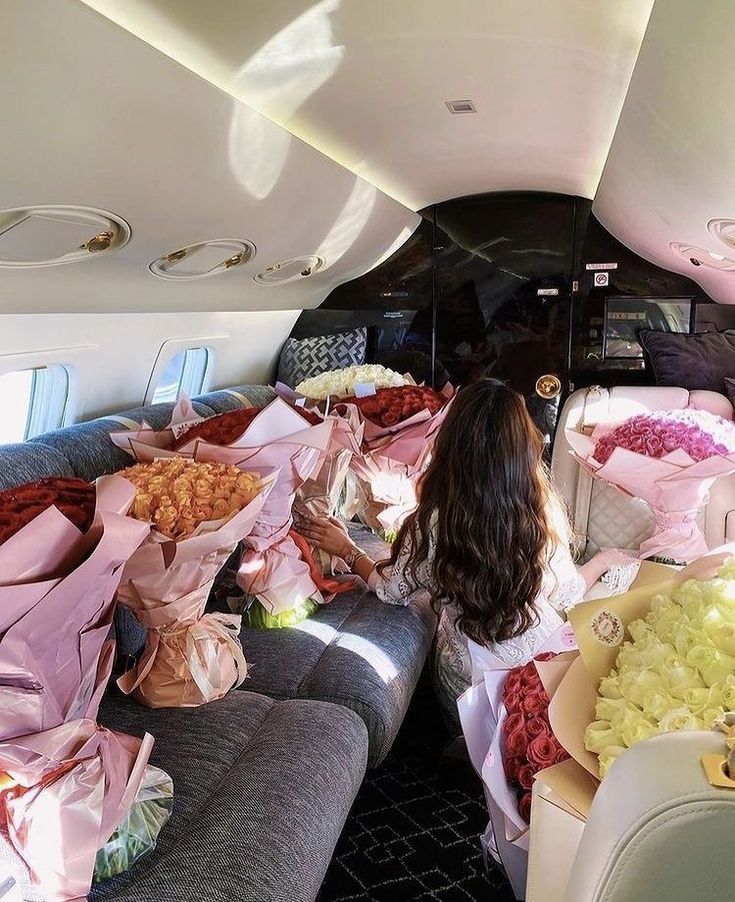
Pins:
x: 671, y: 165
x: 366, y: 81
x: 92, y: 115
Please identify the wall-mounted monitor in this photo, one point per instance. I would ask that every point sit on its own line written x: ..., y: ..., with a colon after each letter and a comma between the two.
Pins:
x: 625, y: 316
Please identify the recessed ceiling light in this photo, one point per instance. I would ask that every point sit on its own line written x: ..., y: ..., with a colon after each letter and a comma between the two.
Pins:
x: 461, y: 106
x: 293, y: 270
x: 697, y: 256
x: 723, y: 230
x: 203, y: 259
x: 48, y: 236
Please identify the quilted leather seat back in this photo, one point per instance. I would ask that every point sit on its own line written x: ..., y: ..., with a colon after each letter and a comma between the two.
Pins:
x: 604, y: 517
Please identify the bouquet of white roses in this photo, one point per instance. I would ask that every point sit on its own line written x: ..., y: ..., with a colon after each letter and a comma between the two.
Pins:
x: 677, y: 672
x: 341, y: 383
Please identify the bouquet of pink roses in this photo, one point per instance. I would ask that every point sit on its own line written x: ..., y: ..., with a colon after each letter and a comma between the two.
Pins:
x: 669, y: 459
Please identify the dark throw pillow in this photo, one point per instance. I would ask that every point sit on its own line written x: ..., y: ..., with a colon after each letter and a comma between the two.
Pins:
x: 302, y: 358
x: 702, y: 360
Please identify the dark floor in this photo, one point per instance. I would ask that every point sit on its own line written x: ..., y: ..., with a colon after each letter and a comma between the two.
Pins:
x: 413, y: 833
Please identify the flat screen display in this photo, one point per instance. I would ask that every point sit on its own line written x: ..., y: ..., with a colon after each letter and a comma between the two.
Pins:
x: 624, y: 317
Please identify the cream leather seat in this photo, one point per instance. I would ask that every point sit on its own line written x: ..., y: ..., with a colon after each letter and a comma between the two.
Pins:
x: 657, y: 830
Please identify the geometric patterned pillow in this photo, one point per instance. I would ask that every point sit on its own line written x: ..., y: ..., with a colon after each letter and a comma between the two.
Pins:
x: 302, y: 358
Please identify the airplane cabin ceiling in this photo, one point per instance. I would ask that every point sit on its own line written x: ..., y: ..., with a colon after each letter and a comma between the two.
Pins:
x: 365, y: 81
x: 671, y: 165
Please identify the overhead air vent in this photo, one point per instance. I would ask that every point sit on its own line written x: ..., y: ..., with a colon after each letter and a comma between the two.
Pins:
x: 461, y: 106
x: 204, y: 259
x: 52, y: 235
x: 290, y: 270
x: 723, y: 230
x: 698, y: 256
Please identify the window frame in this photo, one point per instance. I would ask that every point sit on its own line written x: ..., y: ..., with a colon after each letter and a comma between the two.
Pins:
x: 173, y: 346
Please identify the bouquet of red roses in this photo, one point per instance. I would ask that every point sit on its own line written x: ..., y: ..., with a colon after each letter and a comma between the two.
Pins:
x: 395, y: 407
x: 530, y: 745
x: 394, y: 457
x: 67, y: 783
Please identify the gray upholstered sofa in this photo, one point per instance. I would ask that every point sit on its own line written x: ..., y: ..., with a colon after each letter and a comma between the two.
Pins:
x: 264, y: 778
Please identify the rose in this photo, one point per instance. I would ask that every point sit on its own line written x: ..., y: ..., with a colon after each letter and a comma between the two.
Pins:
x: 516, y: 743
x: 535, y: 702
x: 513, y: 723
x: 538, y: 726
x: 608, y: 757
x: 542, y: 751
x: 525, y: 776
x: 679, y: 719
x: 512, y: 687
x: 524, y: 807
x: 74, y: 498
x: 714, y: 665
x: 511, y: 766
x: 599, y: 737
x: 634, y: 686
x: 656, y: 704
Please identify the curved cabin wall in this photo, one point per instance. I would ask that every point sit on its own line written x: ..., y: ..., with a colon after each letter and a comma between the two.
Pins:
x: 501, y: 287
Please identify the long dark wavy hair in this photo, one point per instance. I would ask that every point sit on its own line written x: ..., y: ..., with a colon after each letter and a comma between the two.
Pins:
x: 487, y: 507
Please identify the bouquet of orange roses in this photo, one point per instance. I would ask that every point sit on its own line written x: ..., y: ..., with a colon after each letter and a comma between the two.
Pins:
x: 198, y: 513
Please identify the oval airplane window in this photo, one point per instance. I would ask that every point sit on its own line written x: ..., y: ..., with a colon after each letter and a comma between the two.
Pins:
x: 52, y: 235
x: 204, y: 259
x: 33, y: 401
x: 185, y: 373
x: 292, y: 270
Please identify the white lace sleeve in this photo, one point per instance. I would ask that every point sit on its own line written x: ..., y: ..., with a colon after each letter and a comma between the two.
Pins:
x: 395, y: 586
x: 566, y: 586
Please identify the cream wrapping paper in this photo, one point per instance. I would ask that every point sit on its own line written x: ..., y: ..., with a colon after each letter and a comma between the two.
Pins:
x: 190, y: 657
x: 71, y: 782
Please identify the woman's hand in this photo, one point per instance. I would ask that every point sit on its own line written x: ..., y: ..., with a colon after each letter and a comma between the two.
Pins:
x: 604, y: 561
x: 330, y: 534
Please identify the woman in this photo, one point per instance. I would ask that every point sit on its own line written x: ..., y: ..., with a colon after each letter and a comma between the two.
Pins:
x: 488, y: 542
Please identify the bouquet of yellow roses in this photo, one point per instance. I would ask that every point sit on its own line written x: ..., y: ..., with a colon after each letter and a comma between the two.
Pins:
x: 198, y: 513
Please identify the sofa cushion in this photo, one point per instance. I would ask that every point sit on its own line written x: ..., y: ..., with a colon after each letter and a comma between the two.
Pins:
x: 261, y: 792
x: 88, y: 447
x: 696, y: 361
x: 355, y: 651
x: 25, y: 462
x: 302, y: 358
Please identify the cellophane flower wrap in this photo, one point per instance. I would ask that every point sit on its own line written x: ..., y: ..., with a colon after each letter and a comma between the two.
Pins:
x: 676, y: 671
x: 279, y: 442
x: 504, y: 718
x: 198, y: 513
x: 342, y: 383
x: 670, y: 460
x: 394, y: 456
x: 68, y: 783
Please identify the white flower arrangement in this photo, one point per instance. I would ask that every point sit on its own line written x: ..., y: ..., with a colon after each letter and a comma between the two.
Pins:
x: 341, y: 383
x: 678, y: 673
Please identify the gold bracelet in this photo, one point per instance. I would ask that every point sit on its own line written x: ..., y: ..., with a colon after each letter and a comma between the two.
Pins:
x: 353, y: 557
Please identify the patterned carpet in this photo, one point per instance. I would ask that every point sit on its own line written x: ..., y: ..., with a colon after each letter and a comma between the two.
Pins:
x: 413, y: 831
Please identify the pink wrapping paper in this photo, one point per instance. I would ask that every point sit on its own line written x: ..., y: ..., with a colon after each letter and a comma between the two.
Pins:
x: 388, y: 471
x: 278, y: 441
x: 57, y: 591
x: 190, y: 657
x: 674, y: 486
x: 482, y: 715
